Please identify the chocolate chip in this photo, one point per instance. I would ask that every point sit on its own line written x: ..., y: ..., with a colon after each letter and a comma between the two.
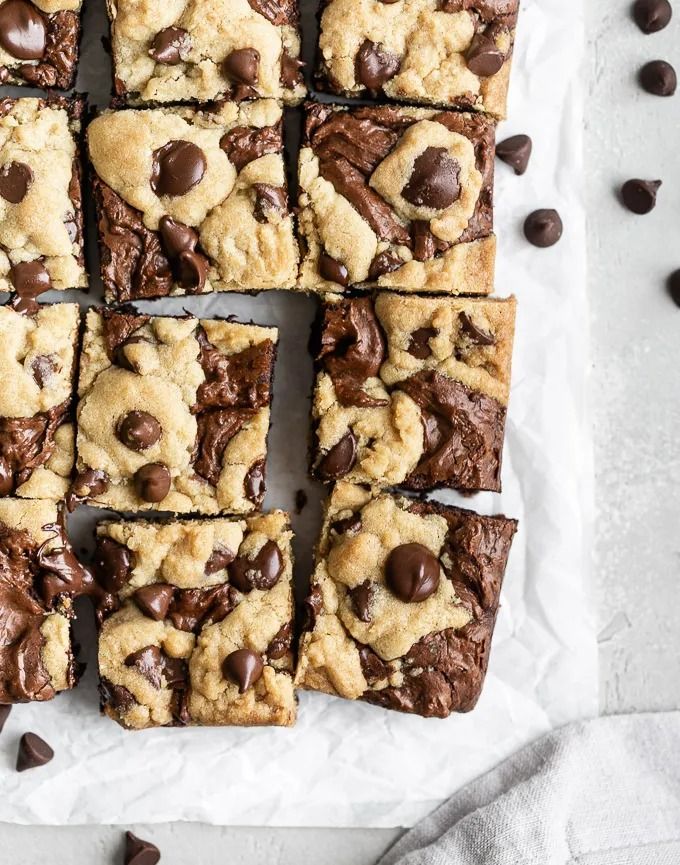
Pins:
x: 115, y: 697
x: 6, y: 477
x: 139, y: 852
x: 340, y: 458
x: 348, y: 526
x: 192, y: 608
x: 4, y: 715
x: 139, y: 430
x: 15, y: 181
x: 412, y: 572
x: 300, y: 501
x: 484, y: 57
x: 170, y: 46
x: 220, y: 557
x: 434, y: 181
x: 242, y: 66
x: 515, y: 152
x: 152, y: 482
x: 639, y: 196
x: 384, y: 262
x: 42, y: 368
x: 543, y: 228
x: 658, y: 78
x: 243, y: 667
x: 87, y: 484
x: 362, y: 598
x: 23, y: 32
x: 180, y: 242
x: 33, y: 752
x: 30, y: 279
x: 474, y: 333
x: 291, y: 70
x: 149, y: 663
x: 268, y: 199
x: 177, y: 167
x: 113, y: 563
x: 254, y: 483
x: 374, y: 66
x: 674, y: 287
x: 652, y: 15
x: 154, y: 600
x: 280, y: 644
x: 419, y: 345
x: 261, y: 572
x: 333, y: 270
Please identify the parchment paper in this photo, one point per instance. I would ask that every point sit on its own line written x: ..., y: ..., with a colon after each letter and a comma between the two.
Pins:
x: 348, y: 764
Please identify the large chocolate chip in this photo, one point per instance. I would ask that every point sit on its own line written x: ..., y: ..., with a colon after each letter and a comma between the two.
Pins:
x: 543, y: 228
x: 149, y: 663
x: 674, y: 287
x: 139, y: 852
x: 419, y: 344
x: 652, y: 15
x: 152, y: 482
x: 177, y: 167
x: 113, y: 563
x: 170, y: 46
x: 384, y: 262
x: 139, y: 430
x: 220, y: 557
x: 474, y: 333
x: 333, y: 270
x: 362, y: 599
x: 4, y: 715
x: 639, y: 196
x: 262, y: 572
x: 254, y: 483
x: 412, y: 572
x: 242, y: 66
x: 15, y: 181
x: 374, y: 66
x: 515, y: 152
x: 484, y: 57
x: 434, y: 181
x: 154, y: 600
x: 23, y: 33
x: 30, y: 279
x: 33, y: 752
x: 659, y: 78
x: 340, y: 458
x: 243, y: 667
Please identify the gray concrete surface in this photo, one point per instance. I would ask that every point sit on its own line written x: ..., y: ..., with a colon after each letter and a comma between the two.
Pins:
x: 636, y: 404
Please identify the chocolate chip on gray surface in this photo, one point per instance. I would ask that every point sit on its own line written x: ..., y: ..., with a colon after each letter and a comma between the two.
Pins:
x: 15, y: 181
x: 177, y: 167
x: 4, y: 715
x: 412, y: 572
x: 140, y: 852
x: 652, y: 15
x: 300, y: 501
x: 674, y: 287
x: 515, y: 152
x: 543, y: 228
x: 170, y: 46
x: 659, y: 78
x: 243, y: 667
x: 375, y: 66
x: 33, y: 752
x: 639, y: 196
x: 242, y: 66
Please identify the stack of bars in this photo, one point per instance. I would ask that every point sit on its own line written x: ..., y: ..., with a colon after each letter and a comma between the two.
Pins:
x: 140, y: 412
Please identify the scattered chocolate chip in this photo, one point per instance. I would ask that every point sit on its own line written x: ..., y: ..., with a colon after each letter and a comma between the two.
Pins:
x: 220, y: 557
x: 23, y: 31
x: 192, y: 608
x: 362, y: 598
x: 280, y: 644
x: 33, y: 752
x: 474, y: 333
x: 372, y: 666
x: 42, y: 367
x: 639, y: 196
x: 139, y: 430
x: 674, y: 287
x: 268, y: 199
x: 291, y: 70
x: 419, y: 345
x: 243, y: 667
x: 154, y: 600
x: 384, y: 262
x: 113, y: 563
x: 434, y: 181
x: 177, y: 167
x: 115, y: 697
x: 658, y: 78
x: 340, y: 458
x: 543, y: 228
x: 652, y: 15
x: 242, y: 66
x: 139, y: 852
x: 262, y: 572
x: 515, y: 152
x: 149, y: 663
x: 333, y: 270
x: 87, y: 484
x: 30, y: 279
x: 255, y: 487
x: 170, y: 46
x: 152, y: 482
x: 412, y: 572
x: 300, y: 501
x: 4, y: 715
x: 348, y: 526
x: 374, y: 66
x: 15, y: 181
x: 484, y: 57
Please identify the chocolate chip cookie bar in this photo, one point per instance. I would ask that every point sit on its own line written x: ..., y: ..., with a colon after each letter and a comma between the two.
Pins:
x: 173, y: 413
x: 403, y: 602
x: 199, y: 52
x: 41, y: 219
x: 39, y: 574
x: 451, y: 53
x: 412, y: 391
x: 397, y: 198
x: 194, y: 201
x: 39, y: 42
x: 200, y: 628
x: 37, y: 369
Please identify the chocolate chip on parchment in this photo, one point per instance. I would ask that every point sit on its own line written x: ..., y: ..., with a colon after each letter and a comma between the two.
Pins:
x: 639, y: 196
x: 543, y: 228
x: 652, y: 15
x: 658, y: 78
x: 515, y: 152
x: 33, y: 752
x: 139, y: 852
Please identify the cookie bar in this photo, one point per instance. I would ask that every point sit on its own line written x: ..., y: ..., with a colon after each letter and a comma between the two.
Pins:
x: 403, y: 602
x: 201, y: 51
x: 39, y: 42
x: 38, y: 575
x: 412, y: 391
x: 201, y: 625
x: 41, y: 218
x: 451, y: 53
x: 173, y: 413
x: 397, y: 198
x: 195, y: 201
x: 37, y: 368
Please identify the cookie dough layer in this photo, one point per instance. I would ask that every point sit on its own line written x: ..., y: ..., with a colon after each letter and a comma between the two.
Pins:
x: 39, y: 42
x: 41, y: 221
x: 403, y: 602
x: 173, y: 413
x: 198, y: 51
x: 398, y: 198
x: 455, y: 54
x: 200, y: 629
x: 196, y: 201
x: 413, y: 391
